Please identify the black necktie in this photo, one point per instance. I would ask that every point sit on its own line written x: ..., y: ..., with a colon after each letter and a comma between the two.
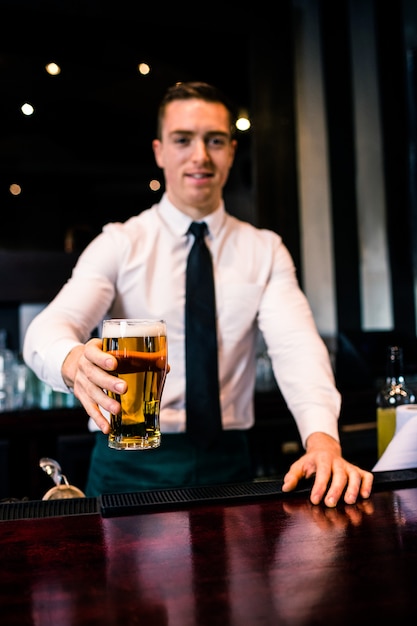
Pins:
x: 202, y: 378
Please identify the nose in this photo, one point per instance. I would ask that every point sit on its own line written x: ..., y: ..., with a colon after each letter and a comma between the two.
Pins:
x: 200, y: 152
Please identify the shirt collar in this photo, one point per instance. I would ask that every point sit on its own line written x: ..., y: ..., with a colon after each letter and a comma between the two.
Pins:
x: 179, y: 222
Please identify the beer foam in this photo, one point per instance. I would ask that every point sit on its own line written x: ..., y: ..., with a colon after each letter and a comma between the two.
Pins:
x: 119, y: 328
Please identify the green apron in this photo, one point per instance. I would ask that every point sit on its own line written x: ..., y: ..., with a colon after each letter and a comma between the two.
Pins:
x: 176, y: 463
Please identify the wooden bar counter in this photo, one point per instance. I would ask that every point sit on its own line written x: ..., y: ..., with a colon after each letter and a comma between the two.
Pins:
x: 230, y: 561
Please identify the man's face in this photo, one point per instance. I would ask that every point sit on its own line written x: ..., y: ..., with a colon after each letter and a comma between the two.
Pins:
x: 196, y: 153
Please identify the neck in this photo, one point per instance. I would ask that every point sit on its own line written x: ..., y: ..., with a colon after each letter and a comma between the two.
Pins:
x: 196, y: 212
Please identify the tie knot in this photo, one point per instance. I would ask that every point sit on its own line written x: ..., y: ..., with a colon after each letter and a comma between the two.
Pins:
x: 198, y: 229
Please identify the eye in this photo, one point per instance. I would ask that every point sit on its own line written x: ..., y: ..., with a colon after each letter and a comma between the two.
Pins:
x: 181, y: 141
x: 218, y: 141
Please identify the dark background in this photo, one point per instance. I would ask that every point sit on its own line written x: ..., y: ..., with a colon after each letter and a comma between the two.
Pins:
x: 84, y: 157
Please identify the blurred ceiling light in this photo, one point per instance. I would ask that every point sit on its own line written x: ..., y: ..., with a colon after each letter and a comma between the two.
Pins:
x: 243, y: 122
x: 53, y: 69
x: 155, y: 185
x: 144, y: 69
x: 15, y: 189
x: 27, y: 109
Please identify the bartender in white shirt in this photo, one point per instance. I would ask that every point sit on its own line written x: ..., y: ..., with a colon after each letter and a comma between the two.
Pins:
x: 137, y: 269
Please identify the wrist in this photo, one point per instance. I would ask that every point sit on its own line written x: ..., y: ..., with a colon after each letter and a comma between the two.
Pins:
x: 322, y: 440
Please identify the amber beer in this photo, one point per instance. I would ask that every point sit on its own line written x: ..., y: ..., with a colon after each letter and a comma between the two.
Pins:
x: 140, y: 347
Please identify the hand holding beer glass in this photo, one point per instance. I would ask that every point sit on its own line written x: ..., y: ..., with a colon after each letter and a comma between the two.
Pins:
x: 140, y: 347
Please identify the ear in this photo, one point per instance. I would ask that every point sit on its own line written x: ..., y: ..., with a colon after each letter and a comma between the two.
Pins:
x: 233, y: 148
x: 157, y: 150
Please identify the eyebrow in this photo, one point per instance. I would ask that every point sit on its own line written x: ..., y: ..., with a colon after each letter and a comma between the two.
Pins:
x: 210, y: 133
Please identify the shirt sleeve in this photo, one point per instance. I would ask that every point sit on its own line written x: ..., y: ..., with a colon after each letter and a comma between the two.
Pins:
x: 75, y: 312
x: 300, y: 359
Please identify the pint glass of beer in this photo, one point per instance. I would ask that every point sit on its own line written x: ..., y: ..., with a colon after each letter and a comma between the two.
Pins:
x: 140, y: 347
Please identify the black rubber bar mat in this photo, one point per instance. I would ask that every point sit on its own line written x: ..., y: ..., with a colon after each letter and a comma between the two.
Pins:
x: 144, y: 501
x: 111, y: 505
x: 31, y: 509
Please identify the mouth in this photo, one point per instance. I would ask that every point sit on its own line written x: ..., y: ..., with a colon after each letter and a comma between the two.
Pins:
x: 200, y: 175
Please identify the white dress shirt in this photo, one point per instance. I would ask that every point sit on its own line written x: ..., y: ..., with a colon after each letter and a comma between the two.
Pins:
x: 137, y: 269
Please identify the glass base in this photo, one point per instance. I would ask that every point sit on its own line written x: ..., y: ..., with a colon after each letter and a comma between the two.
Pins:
x: 137, y: 443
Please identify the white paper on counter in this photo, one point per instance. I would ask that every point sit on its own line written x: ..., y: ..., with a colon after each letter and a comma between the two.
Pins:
x: 403, y: 413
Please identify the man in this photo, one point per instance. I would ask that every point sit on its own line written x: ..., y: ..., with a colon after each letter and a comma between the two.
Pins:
x: 137, y: 269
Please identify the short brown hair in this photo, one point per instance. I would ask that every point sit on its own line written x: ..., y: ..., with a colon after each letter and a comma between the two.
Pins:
x: 199, y: 90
